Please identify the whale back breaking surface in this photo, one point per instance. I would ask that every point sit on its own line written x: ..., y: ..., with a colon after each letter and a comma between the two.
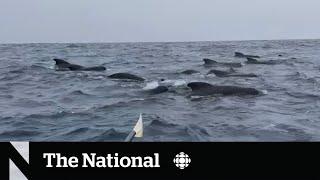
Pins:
x: 255, y: 61
x: 244, y: 75
x: 126, y: 76
x: 219, y: 73
x: 158, y: 90
x: 252, y: 60
x: 210, y: 62
x: 95, y: 68
x: 201, y: 88
x: 234, y: 90
x: 62, y: 65
x: 241, y: 55
x: 230, y: 73
x: 189, y: 71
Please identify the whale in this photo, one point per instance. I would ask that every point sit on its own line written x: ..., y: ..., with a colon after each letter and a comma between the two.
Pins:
x: 158, y: 90
x: 210, y: 62
x: 241, y: 55
x: 190, y: 71
x: 230, y: 73
x: 219, y: 73
x: 205, y: 89
x: 126, y: 76
x: 255, y: 61
x: 62, y: 65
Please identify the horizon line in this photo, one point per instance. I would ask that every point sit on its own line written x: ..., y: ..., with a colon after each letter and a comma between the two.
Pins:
x: 169, y: 41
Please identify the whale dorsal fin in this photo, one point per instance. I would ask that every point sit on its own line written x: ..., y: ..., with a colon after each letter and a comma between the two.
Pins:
x: 209, y: 61
x: 239, y: 54
x: 232, y: 70
x: 251, y: 60
x: 60, y: 61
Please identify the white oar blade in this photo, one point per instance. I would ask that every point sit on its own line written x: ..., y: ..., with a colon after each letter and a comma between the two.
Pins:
x: 139, y: 127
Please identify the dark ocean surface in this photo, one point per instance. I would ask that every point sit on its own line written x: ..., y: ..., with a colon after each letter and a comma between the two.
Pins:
x: 38, y: 103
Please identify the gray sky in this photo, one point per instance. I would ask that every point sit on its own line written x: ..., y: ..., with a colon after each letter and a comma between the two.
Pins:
x: 157, y: 20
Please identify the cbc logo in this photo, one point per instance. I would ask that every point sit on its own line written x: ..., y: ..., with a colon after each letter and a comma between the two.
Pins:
x: 182, y: 160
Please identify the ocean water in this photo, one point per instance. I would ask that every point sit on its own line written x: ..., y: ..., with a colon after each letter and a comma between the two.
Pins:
x: 38, y: 103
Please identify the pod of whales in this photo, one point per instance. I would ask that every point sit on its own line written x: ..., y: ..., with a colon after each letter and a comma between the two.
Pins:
x: 241, y: 55
x: 210, y: 62
x: 62, y: 65
x: 198, y: 88
x: 230, y: 73
x: 126, y: 76
x: 204, y: 89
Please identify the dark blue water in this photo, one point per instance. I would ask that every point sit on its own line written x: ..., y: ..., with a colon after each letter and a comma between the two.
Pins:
x: 38, y: 103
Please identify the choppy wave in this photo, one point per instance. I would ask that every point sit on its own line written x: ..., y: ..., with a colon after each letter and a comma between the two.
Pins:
x: 39, y: 103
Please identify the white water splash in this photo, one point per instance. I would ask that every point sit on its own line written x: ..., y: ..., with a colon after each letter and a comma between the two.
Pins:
x: 173, y: 82
x: 151, y: 85
x: 265, y: 92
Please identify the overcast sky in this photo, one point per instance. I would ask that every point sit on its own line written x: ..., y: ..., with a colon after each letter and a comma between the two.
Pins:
x: 157, y: 20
